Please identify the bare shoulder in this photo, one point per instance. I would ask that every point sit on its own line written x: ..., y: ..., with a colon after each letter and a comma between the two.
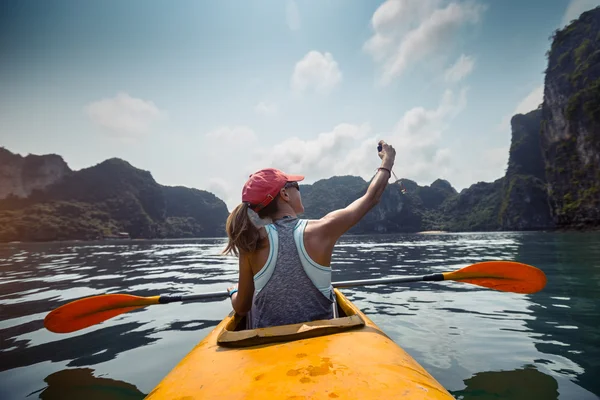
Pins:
x: 315, y: 226
x: 319, y: 244
x: 320, y: 231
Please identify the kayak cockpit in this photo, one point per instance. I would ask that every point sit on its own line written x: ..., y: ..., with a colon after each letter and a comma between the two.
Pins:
x: 234, y: 333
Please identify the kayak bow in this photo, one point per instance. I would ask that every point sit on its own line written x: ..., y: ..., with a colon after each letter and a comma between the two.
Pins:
x: 347, y: 357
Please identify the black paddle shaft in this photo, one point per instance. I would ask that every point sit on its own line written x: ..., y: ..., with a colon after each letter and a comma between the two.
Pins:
x: 380, y: 281
x: 344, y: 284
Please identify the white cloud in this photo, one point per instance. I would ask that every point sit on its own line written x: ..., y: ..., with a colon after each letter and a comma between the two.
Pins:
x: 235, y: 135
x: 496, y: 160
x: 460, y: 70
x: 266, y: 109
x: 350, y: 149
x: 125, y: 116
x: 490, y: 165
x: 330, y: 153
x: 292, y: 15
x: 317, y: 71
x: 576, y: 8
x: 529, y: 103
x: 392, y: 20
x: 222, y: 189
x: 407, y: 32
x: 417, y: 138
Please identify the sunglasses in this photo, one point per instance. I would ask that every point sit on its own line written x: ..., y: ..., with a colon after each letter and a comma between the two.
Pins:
x: 292, y: 184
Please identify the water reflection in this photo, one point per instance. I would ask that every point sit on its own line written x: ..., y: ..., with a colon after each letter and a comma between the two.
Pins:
x: 87, y: 349
x: 567, y: 311
x: 80, y: 383
x: 521, y: 384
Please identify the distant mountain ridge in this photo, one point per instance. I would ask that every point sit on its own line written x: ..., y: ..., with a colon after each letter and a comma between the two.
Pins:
x: 103, y: 200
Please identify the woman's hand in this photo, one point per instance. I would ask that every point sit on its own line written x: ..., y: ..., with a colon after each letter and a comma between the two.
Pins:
x: 387, y: 154
x: 229, y: 289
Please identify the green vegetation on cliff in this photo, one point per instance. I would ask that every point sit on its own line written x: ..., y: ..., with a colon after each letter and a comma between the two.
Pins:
x: 474, y: 209
x: 193, y: 213
x: 55, y: 221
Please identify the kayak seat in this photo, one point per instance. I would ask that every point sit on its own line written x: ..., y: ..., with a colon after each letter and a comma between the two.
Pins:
x: 241, y: 326
x: 235, y: 335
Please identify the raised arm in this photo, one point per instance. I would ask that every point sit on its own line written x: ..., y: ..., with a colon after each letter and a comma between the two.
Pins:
x: 336, y: 223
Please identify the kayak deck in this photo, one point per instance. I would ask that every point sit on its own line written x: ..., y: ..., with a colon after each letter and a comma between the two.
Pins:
x: 346, y: 357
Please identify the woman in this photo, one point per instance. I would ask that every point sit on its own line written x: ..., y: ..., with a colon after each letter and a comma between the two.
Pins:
x: 284, y: 273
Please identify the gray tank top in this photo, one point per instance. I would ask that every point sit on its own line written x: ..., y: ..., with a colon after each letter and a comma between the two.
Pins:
x: 289, y: 296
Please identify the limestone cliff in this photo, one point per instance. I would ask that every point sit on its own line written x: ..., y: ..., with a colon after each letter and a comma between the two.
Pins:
x: 525, y: 204
x: 19, y: 175
x: 570, y: 127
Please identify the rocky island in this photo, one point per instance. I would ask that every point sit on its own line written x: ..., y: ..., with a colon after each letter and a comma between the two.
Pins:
x: 43, y: 199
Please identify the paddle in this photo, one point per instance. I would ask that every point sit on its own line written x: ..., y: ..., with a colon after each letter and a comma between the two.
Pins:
x: 506, y: 276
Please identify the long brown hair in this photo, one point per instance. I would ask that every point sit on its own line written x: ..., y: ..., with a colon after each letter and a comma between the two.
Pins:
x: 243, y: 235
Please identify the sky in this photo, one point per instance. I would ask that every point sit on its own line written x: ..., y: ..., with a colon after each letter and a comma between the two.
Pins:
x: 202, y: 94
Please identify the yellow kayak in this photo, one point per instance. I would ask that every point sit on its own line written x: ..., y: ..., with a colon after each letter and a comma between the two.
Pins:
x: 347, y: 358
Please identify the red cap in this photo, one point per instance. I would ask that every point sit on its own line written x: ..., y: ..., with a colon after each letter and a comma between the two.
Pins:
x: 262, y: 186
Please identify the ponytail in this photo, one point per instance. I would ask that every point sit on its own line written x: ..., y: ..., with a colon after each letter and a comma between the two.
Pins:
x: 243, y: 226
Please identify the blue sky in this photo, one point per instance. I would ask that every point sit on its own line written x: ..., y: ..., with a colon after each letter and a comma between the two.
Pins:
x: 202, y: 93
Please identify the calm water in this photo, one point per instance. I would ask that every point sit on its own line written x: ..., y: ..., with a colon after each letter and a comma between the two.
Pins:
x: 480, y: 344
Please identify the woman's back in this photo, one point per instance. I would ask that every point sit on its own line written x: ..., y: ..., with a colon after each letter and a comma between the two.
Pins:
x: 286, y: 289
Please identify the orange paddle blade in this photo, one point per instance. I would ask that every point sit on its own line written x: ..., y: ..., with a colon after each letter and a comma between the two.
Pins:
x: 506, y: 276
x: 89, y: 311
